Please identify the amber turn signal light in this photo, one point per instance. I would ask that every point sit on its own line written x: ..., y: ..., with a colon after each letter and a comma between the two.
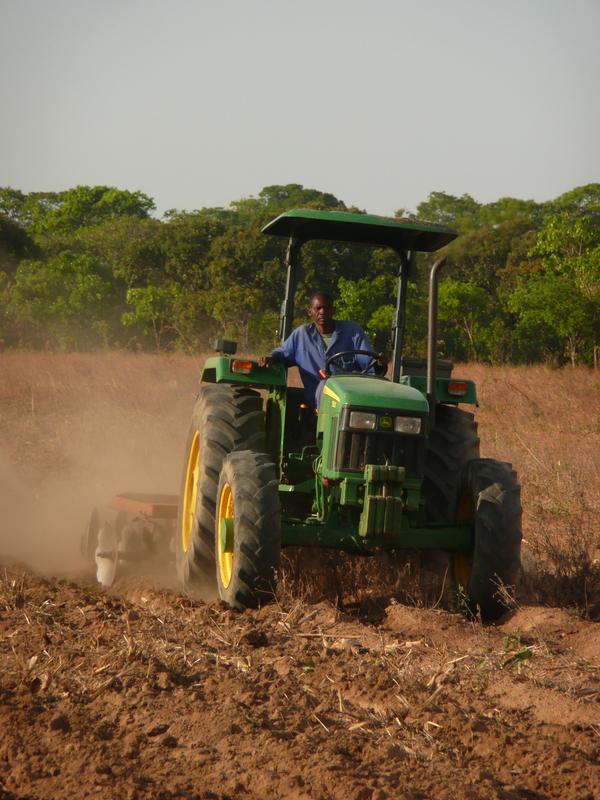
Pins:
x: 242, y: 367
x: 457, y: 388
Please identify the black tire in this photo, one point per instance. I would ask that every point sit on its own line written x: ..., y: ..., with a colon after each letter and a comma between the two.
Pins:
x: 246, y: 568
x: 453, y: 443
x: 225, y: 418
x: 492, y: 489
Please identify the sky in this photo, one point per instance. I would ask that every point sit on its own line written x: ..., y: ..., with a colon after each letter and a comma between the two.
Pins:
x: 202, y: 102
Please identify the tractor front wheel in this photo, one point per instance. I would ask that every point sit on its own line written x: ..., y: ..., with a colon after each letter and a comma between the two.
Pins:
x: 247, y: 530
x: 225, y: 418
x: 491, y: 497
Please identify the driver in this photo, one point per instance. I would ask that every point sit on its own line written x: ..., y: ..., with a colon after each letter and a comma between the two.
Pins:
x: 309, y: 346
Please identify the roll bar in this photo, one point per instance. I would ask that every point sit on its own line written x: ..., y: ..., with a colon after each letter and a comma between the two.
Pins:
x: 399, y: 323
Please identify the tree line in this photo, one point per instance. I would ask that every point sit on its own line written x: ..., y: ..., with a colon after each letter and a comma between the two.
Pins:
x: 91, y: 267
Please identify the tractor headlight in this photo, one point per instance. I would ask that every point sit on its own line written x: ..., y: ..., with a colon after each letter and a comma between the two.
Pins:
x: 363, y: 420
x: 407, y: 425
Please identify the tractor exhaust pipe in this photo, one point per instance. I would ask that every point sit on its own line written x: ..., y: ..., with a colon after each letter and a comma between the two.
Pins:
x: 434, y: 277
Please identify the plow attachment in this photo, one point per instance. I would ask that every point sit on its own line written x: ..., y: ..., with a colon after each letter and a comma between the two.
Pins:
x: 134, y: 532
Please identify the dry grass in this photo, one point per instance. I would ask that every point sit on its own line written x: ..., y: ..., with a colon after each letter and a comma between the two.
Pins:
x: 547, y: 423
x: 122, y: 417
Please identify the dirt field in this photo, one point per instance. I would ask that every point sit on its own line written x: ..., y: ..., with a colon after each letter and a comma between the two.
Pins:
x: 338, y: 689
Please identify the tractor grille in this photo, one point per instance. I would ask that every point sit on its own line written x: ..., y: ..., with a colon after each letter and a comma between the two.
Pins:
x: 355, y: 450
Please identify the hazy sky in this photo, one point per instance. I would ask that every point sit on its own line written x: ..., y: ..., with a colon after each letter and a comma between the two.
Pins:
x: 198, y: 103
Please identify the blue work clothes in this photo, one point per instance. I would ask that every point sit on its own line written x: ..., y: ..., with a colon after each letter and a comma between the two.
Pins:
x: 304, y: 348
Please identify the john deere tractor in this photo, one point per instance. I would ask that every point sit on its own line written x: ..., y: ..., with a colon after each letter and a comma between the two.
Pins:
x: 384, y: 464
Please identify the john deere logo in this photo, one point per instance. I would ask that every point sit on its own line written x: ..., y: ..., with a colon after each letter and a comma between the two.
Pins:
x: 385, y: 423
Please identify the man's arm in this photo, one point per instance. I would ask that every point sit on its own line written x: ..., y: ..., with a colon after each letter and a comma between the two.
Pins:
x: 362, y: 343
x: 285, y: 353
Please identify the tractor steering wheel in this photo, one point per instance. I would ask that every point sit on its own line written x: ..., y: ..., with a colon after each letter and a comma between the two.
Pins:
x: 342, y: 353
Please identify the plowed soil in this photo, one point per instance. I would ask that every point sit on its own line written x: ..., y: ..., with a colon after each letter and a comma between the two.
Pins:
x: 144, y: 693
x: 353, y: 685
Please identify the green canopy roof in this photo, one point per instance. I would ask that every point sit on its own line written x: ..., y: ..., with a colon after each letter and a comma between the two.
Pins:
x: 343, y: 226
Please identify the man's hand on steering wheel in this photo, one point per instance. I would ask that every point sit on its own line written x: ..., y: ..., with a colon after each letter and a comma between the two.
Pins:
x: 380, y: 359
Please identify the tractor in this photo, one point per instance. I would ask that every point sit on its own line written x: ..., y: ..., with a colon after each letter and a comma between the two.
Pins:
x: 385, y: 463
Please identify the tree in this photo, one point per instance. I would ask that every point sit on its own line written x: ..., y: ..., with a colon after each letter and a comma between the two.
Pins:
x: 152, y: 310
x: 583, y: 200
x: 570, y: 246
x: 192, y: 274
x: 552, y: 317
x: 278, y: 198
x: 89, y: 205
x: 512, y: 210
x: 11, y: 203
x: 28, y: 209
x: 561, y: 300
x: 241, y: 259
x: 461, y: 213
x: 49, y: 212
x: 62, y: 302
x: 15, y: 244
x: 465, y: 312
x: 480, y: 256
x: 235, y: 310
x: 368, y: 303
x: 132, y: 247
x: 186, y: 243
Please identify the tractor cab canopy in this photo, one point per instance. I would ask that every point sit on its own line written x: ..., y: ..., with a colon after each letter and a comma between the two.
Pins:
x: 303, y: 225
x: 405, y: 236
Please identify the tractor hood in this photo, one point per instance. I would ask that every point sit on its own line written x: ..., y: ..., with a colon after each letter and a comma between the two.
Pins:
x: 368, y: 391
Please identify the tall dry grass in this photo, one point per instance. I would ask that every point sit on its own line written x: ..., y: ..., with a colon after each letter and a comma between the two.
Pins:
x: 547, y: 423
x: 77, y: 427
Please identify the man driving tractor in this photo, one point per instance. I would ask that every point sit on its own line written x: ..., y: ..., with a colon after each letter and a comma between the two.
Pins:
x: 309, y: 346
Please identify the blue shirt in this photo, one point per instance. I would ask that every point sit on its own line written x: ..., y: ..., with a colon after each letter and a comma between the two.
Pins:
x: 304, y: 348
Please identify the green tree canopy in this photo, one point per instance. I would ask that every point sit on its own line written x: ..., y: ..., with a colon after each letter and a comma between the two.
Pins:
x: 48, y: 212
x: 461, y: 213
x: 62, y: 302
x: 91, y: 266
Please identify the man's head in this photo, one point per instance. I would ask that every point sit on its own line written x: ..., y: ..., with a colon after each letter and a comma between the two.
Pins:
x: 320, y: 310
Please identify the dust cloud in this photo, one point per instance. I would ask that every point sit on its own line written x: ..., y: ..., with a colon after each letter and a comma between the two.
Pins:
x: 65, y: 452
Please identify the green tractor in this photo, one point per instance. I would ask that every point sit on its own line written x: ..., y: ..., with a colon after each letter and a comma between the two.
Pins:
x: 385, y: 464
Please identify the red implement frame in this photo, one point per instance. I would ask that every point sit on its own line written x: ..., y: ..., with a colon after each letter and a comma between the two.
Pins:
x: 159, y: 506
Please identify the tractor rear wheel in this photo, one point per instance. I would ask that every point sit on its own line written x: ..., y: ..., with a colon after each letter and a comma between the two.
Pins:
x: 453, y: 442
x: 225, y: 418
x: 247, y: 530
x: 491, y: 497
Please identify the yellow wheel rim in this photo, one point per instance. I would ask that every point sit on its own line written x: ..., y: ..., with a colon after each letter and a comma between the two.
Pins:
x: 190, y: 492
x: 225, y: 515
x: 462, y: 563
